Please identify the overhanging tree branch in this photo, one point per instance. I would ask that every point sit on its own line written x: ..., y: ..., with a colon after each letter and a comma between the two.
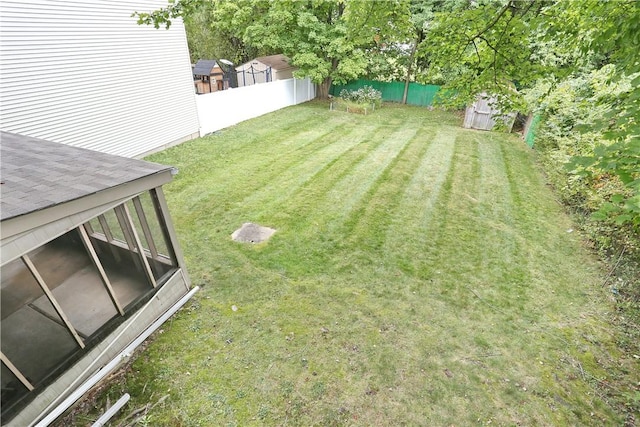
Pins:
x: 495, y: 50
x: 477, y: 52
x: 494, y: 21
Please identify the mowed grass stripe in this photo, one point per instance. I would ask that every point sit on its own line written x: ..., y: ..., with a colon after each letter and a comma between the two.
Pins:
x: 298, y: 210
x: 312, y: 210
x: 239, y: 143
x: 255, y: 159
x: 344, y: 197
x: 495, y: 218
x: 270, y: 130
x: 475, y: 230
x: 328, y: 215
x: 366, y: 228
x: 457, y: 344
x: 411, y: 231
x: 309, y: 165
x: 313, y: 204
x: 453, y: 221
x: 262, y: 166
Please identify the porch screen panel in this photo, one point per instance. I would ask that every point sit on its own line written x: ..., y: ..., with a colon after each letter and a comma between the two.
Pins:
x: 12, y: 391
x: 67, y: 269
x: 149, y: 228
x: 159, y: 234
x: 33, y: 337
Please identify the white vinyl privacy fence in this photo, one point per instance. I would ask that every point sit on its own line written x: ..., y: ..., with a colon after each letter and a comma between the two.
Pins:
x: 221, y: 109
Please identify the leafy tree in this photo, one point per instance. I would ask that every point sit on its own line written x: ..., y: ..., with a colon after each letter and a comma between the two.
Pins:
x: 612, y: 30
x: 326, y: 40
x: 423, y: 13
x: 484, y: 46
x: 208, y: 39
x: 568, y: 109
x: 214, y: 27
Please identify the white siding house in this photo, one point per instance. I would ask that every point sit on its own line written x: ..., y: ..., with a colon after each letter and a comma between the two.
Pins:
x: 84, y: 73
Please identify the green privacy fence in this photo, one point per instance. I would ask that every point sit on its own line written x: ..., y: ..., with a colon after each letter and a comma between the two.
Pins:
x: 530, y: 132
x: 418, y: 94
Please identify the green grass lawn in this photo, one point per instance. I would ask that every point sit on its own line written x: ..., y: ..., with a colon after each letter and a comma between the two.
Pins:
x: 421, y: 274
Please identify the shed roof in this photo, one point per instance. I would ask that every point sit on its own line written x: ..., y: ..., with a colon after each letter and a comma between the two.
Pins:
x: 37, y: 174
x: 204, y: 67
x: 277, y: 62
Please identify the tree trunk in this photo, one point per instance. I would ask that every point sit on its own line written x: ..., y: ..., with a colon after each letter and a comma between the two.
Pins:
x: 412, y: 60
x: 408, y: 77
x: 323, y: 88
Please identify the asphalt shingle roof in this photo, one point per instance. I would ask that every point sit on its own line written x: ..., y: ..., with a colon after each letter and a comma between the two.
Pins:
x: 37, y: 174
x: 204, y: 67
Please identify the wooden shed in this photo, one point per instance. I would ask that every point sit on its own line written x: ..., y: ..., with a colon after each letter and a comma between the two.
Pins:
x: 89, y: 263
x: 209, y: 76
x: 265, y: 69
x: 484, y: 115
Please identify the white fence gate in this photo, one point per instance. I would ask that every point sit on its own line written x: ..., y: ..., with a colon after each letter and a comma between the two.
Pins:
x: 221, y: 109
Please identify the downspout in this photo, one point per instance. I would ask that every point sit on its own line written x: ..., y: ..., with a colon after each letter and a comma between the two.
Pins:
x: 109, y: 367
x: 109, y: 413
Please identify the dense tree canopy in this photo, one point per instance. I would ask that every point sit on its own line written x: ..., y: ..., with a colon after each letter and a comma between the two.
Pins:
x: 209, y: 39
x: 327, y: 40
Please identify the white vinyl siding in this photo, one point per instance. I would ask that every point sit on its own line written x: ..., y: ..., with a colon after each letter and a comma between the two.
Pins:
x: 84, y: 73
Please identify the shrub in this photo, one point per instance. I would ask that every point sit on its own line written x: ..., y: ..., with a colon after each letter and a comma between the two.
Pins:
x: 366, y: 95
x: 566, y: 134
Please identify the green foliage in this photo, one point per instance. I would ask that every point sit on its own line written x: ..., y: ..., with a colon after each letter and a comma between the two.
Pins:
x: 175, y: 9
x: 566, y: 109
x: 387, y: 63
x: 327, y: 40
x: 568, y: 142
x: 364, y: 95
x: 482, y: 48
x: 612, y: 29
x: 399, y: 61
x: 208, y: 38
x: 363, y: 100
x: 503, y: 47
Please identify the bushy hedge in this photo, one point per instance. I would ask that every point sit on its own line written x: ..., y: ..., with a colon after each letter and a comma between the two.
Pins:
x: 568, y: 111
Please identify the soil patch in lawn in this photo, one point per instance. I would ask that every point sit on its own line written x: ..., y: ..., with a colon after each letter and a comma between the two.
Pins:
x: 252, y: 233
